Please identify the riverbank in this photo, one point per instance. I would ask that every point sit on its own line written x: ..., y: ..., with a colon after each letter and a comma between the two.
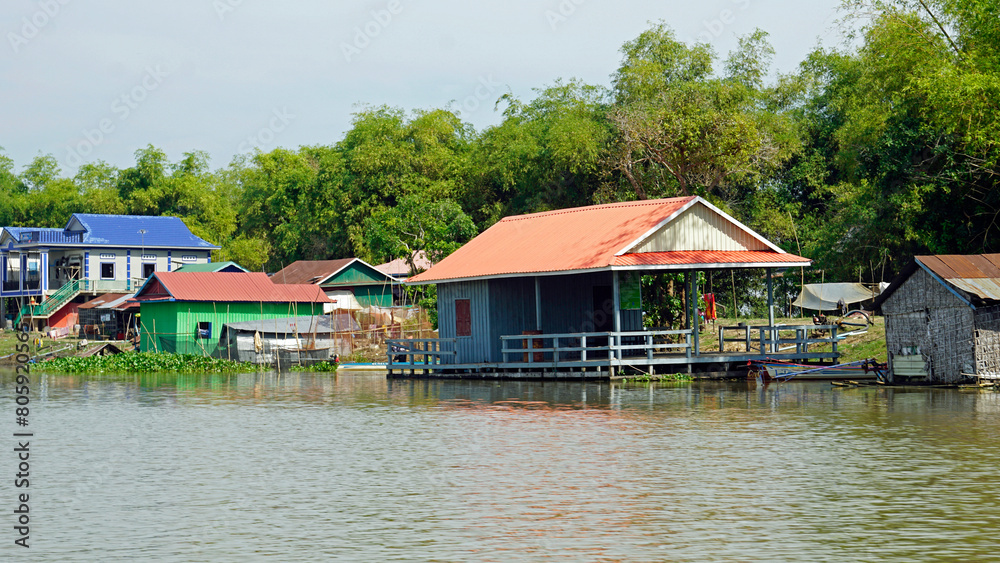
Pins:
x: 855, y: 347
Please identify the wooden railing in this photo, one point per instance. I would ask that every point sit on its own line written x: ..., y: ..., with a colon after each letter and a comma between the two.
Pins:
x: 555, y: 348
x: 775, y: 339
x: 418, y: 353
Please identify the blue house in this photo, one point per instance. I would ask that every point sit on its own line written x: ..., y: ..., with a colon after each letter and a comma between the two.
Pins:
x: 46, y: 272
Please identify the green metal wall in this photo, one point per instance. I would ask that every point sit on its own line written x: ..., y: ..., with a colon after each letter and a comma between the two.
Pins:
x: 370, y: 286
x: 357, y: 274
x: 378, y: 296
x: 171, y: 325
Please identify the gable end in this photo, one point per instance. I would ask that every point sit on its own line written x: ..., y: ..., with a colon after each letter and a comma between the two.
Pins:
x: 699, y: 228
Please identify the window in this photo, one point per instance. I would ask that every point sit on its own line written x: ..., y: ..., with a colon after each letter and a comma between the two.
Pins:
x: 463, y: 317
x: 148, y: 269
x: 204, y: 330
x: 107, y: 270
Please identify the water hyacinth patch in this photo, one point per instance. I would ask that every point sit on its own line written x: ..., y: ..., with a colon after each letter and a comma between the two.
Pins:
x: 317, y: 366
x: 145, y: 362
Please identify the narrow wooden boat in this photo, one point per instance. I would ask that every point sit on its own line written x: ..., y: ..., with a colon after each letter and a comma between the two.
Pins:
x: 777, y: 370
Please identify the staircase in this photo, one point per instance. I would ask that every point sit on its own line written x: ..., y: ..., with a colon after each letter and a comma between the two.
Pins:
x: 68, y: 292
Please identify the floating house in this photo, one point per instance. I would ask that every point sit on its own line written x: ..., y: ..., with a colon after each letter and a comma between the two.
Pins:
x: 566, y: 285
x: 48, y: 272
x: 312, y: 338
x: 942, y: 319
x: 184, y: 312
x: 350, y: 283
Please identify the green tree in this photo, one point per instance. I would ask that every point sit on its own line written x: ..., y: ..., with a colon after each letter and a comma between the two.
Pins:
x: 682, y: 131
x: 546, y: 154
x: 436, y: 227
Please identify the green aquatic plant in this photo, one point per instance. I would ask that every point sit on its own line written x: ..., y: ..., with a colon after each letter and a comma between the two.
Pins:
x: 317, y: 366
x: 144, y: 362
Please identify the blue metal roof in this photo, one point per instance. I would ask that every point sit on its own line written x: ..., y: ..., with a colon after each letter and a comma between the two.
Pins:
x: 124, y: 230
x: 43, y: 235
x: 114, y: 230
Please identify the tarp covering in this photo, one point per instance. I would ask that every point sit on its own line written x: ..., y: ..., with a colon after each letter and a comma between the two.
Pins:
x: 825, y: 296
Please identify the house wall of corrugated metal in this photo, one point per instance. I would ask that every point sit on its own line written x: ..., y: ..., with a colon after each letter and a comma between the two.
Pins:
x: 512, y: 310
x: 378, y: 296
x: 356, y: 274
x: 506, y: 306
x: 171, y: 325
x: 699, y: 228
x: 475, y: 348
x: 568, y: 304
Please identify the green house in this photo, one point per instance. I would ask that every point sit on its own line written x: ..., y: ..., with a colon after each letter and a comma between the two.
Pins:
x: 229, y: 266
x: 351, y: 283
x: 183, y: 312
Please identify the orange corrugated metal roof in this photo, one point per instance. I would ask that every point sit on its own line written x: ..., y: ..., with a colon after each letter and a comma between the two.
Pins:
x: 232, y: 287
x: 742, y: 258
x: 567, y: 240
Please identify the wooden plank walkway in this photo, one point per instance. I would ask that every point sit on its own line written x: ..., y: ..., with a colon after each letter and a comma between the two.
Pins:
x: 606, y: 355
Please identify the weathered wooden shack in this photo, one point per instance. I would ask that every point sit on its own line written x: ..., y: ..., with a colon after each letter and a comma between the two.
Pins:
x: 572, y: 276
x: 942, y: 319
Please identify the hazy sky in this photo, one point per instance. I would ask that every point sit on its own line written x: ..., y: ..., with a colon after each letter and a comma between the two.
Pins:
x: 98, y: 79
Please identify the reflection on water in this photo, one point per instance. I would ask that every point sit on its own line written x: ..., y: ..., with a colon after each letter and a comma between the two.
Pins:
x: 355, y: 467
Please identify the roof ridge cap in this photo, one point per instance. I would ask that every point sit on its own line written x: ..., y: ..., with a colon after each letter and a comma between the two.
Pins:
x: 568, y: 210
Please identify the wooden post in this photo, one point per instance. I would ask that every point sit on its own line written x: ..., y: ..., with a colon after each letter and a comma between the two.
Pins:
x: 694, y: 308
x: 687, y: 300
x: 583, y: 344
x: 538, y: 303
x: 770, y: 306
x: 833, y: 334
x: 732, y: 273
x: 616, y: 299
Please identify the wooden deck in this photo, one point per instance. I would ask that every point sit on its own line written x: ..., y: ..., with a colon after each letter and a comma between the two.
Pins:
x: 607, y: 355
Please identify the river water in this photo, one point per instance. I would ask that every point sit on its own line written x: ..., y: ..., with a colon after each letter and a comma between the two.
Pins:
x: 357, y: 468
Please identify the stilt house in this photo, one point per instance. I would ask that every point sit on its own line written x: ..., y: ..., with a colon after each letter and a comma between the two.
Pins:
x: 573, y: 275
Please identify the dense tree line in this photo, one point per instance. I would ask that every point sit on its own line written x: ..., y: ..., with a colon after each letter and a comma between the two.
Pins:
x: 863, y: 157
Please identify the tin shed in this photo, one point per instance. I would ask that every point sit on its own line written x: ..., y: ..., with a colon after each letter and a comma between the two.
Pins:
x: 942, y: 319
